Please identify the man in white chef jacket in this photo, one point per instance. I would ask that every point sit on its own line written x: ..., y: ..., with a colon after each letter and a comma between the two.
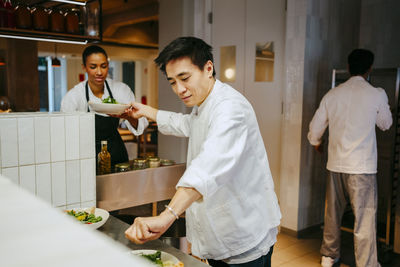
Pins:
x: 352, y: 110
x: 227, y: 191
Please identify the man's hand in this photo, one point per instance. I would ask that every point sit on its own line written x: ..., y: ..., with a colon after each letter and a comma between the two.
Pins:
x: 149, y: 228
x: 138, y: 110
x: 319, y: 148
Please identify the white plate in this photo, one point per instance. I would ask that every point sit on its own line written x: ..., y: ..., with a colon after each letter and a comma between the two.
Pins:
x: 164, y: 255
x: 106, y: 108
x: 98, y: 212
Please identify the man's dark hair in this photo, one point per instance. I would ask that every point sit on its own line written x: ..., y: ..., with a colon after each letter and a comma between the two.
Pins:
x: 194, y: 48
x: 93, y: 49
x: 360, y: 61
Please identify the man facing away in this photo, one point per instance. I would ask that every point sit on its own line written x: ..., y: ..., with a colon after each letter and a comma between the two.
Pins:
x: 351, y: 110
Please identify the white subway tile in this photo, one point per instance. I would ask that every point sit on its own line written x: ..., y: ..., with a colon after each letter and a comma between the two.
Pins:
x: 43, y: 181
x: 88, y: 180
x: 73, y: 177
x: 72, y: 137
x: 58, y: 184
x: 42, y: 139
x: 12, y: 174
x: 26, y: 141
x: 9, y: 142
x: 27, y: 178
x: 87, y: 136
x: 57, y: 138
x: 88, y: 204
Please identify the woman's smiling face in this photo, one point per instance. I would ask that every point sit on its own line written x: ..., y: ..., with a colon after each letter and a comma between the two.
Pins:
x: 191, y: 84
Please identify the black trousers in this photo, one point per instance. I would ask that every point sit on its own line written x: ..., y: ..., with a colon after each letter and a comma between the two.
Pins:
x: 263, y: 261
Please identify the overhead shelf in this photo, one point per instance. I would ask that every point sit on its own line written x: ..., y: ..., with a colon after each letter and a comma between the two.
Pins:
x: 46, y: 36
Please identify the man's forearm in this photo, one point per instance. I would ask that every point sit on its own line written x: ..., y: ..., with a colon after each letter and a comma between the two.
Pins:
x: 183, y: 198
x: 150, y: 113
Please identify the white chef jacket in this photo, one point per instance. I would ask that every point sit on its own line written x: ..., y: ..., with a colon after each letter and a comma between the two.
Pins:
x: 227, y: 163
x: 75, y: 100
x: 351, y: 110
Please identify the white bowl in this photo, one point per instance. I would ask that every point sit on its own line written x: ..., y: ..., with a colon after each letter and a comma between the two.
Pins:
x: 107, y: 108
x: 98, y: 212
x: 164, y: 255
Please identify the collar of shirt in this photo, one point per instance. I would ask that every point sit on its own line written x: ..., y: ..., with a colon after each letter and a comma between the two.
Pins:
x: 95, y: 98
x: 357, y: 78
x: 198, y: 109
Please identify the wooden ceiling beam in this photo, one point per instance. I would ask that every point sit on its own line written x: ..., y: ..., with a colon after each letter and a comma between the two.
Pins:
x: 112, y: 22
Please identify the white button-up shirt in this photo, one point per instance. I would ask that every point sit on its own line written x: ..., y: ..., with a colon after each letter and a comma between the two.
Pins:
x: 227, y: 163
x: 75, y: 100
x: 351, y: 110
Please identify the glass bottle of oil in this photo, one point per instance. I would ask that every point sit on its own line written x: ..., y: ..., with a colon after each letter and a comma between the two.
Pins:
x: 104, y: 160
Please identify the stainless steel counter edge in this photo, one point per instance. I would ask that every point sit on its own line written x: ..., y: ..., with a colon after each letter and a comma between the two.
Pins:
x: 116, y: 228
x: 128, y: 189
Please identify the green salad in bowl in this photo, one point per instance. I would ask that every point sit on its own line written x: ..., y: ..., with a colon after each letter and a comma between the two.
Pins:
x: 110, y: 100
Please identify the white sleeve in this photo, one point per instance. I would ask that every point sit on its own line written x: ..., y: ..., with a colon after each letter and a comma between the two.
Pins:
x: 220, y: 153
x: 318, y: 124
x: 142, y: 124
x: 171, y: 123
x: 384, y: 117
x: 126, y: 96
x: 69, y: 102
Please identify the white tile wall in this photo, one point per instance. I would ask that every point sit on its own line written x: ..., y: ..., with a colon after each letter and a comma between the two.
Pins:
x: 88, y: 173
x: 9, y: 142
x: 73, y: 176
x: 87, y: 147
x: 26, y: 141
x: 43, y: 181
x: 57, y: 138
x: 12, y: 174
x: 72, y: 139
x: 52, y: 155
x: 58, y: 184
x: 27, y: 178
x: 42, y: 139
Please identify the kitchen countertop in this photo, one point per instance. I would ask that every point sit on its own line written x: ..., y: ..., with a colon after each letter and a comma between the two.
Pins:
x: 32, y: 233
x: 115, y: 229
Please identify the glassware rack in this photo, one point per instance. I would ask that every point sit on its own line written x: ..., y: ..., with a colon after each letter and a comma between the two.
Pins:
x: 56, y: 21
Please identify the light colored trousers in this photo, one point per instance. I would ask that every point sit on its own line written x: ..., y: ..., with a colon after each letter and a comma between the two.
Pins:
x: 361, y: 191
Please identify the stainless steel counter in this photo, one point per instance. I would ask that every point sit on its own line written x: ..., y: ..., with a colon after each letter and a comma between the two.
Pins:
x: 115, y: 229
x: 128, y: 189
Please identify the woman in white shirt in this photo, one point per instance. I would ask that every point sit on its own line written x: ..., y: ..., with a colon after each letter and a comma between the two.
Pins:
x: 95, y: 89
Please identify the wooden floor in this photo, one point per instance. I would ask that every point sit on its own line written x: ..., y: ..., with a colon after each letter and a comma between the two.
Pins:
x: 293, y: 252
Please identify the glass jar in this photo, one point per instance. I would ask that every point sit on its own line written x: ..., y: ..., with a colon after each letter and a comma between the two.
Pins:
x: 167, y: 162
x: 92, y: 17
x: 57, y: 21
x: 139, y: 164
x: 40, y: 19
x: 72, y: 21
x: 122, y: 167
x: 154, y: 162
x: 23, y: 19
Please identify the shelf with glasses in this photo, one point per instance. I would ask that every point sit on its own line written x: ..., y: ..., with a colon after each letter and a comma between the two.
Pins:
x: 61, y: 21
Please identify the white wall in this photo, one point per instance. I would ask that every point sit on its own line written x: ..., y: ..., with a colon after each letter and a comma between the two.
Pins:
x: 255, y: 21
x: 175, y: 20
x: 52, y: 155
